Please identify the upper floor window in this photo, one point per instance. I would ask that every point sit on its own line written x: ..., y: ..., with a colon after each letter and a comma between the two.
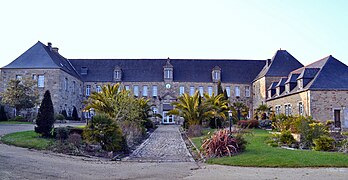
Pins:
x: 117, y: 74
x: 287, y: 109
x: 33, y: 77
x: 88, y: 90
x: 237, y: 91
x: 154, y: 91
x: 41, y: 81
x: 300, y: 108
x: 98, y: 89
x: 182, y: 90
x: 216, y: 74
x: 277, y: 109
x: 168, y: 74
x: 126, y: 87
x: 247, y: 91
x: 192, y: 90
x: 136, y: 90
x: 168, y: 71
x: 74, y: 87
x: 210, y: 90
x: 228, y: 91
x: 66, y: 84
x: 145, y: 91
x: 201, y: 90
x: 19, y: 77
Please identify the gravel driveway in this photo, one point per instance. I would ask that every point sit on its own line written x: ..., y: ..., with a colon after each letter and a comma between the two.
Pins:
x: 21, y: 163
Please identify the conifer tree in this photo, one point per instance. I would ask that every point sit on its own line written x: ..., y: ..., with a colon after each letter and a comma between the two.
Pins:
x: 219, y: 88
x: 74, y: 115
x: 3, y: 116
x: 45, y: 117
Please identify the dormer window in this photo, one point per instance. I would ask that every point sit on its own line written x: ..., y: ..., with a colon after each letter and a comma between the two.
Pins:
x: 287, y: 88
x: 117, y: 74
x: 168, y: 71
x: 216, y: 74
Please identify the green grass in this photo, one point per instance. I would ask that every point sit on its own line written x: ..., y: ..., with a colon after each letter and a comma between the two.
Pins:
x: 27, y: 139
x: 14, y: 122
x: 259, y: 154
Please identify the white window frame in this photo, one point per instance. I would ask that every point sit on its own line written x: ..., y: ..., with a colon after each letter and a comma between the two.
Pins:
x: 66, y: 84
x: 19, y: 77
x: 192, y: 90
x: 210, y: 90
x: 136, y: 90
x: 237, y: 91
x: 228, y: 91
x: 40, y: 81
x: 127, y: 87
x: 278, y: 109
x: 145, y: 89
x: 181, y: 90
x: 247, y: 91
x: 201, y: 90
x: 74, y: 87
x: 300, y: 108
x: 98, y: 89
x: 154, y: 91
x: 88, y: 90
x: 117, y: 74
x: 216, y: 75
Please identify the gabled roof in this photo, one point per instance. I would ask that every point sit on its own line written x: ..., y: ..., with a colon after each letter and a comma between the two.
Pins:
x: 308, y: 73
x: 280, y: 65
x: 40, y: 56
x: 333, y: 75
x: 184, y: 70
x: 281, y: 82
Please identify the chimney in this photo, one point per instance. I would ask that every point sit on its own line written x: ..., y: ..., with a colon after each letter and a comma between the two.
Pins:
x: 268, y: 62
x: 55, y: 49
x: 49, y: 45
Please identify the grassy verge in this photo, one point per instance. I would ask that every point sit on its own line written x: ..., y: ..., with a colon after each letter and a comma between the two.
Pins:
x: 259, y: 154
x: 27, y: 139
x: 14, y: 122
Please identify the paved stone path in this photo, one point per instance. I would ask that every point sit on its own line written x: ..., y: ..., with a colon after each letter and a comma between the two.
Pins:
x: 164, y: 144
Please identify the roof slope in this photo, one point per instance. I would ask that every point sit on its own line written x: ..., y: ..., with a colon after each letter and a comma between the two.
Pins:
x: 280, y: 65
x: 333, y: 75
x: 40, y: 56
x: 184, y: 70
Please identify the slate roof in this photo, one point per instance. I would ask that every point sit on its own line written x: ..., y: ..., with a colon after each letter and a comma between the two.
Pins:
x: 292, y: 78
x: 184, y: 70
x: 281, y: 82
x: 273, y: 85
x: 40, y: 56
x: 308, y: 73
x: 280, y: 65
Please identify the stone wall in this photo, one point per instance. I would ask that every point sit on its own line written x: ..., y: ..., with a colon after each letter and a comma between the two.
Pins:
x: 54, y: 82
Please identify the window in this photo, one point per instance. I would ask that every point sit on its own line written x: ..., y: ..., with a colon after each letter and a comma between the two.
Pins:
x: 201, y: 90
x: 117, y: 74
x: 247, y: 91
x: 33, y: 77
x: 192, y: 90
x: 145, y: 91
x: 300, y: 108
x: 88, y: 90
x: 66, y: 84
x: 182, y: 90
x: 98, y: 89
x: 136, y: 90
x: 228, y: 91
x: 73, y: 87
x: 41, y: 81
x: 154, y: 91
x: 210, y: 90
x: 127, y: 88
x: 216, y: 75
x: 237, y: 91
x: 277, y: 109
x: 19, y: 77
x: 167, y: 73
x: 287, y: 109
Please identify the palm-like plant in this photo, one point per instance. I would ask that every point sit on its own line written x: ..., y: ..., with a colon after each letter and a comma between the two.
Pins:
x: 263, y: 110
x: 239, y: 109
x: 216, y: 107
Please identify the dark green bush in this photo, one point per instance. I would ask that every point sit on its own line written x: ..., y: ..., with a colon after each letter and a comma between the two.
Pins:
x: 45, y: 117
x: 64, y: 114
x: 287, y: 138
x: 61, y: 133
x: 74, y: 115
x: 324, y: 143
x: 106, y: 132
x: 3, y: 116
x: 18, y: 118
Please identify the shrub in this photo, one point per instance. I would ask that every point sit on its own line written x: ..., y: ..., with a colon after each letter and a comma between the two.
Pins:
x: 195, y: 131
x: 248, y: 123
x: 106, y: 132
x: 59, y: 117
x: 61, y: 133
x: 267, y: 124
x: 75, y: 139
x: 45, y: 117
x: 343, y: 146
x: 148, y: 124
x: 221, y: 143
x: 3, y: 116
x: 74, y: 115
x: 287, y: 138
x: 18, y: 118
x: 64, y: 114
x: 323, y: 143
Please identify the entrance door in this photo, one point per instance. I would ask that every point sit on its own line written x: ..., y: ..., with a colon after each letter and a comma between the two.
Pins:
x: 167, y: 119
x: 337, y: 118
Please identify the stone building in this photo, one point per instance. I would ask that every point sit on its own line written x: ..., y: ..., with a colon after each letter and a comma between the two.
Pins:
x: 71, y: 81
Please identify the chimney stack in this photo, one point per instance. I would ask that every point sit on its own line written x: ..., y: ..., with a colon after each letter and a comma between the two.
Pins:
x: 55, y: 49
x: 49, y: 45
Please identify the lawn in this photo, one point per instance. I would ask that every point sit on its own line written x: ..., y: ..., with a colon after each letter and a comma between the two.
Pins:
x: 14, y: 122
x: 27, y: 139
x: 259, y: 154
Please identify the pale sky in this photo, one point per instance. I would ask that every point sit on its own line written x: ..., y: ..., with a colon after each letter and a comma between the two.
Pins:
x: 243, y: 29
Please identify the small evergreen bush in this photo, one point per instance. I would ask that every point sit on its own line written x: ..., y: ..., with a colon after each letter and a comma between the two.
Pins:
x: 324, y: 143
x: 3, y: 116
x: 74, y: 115
x: 45, y: 117
x: 64, y: 114
x: 287, y: 138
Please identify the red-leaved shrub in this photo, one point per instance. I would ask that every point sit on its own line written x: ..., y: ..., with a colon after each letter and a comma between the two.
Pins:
x: 222, y: 144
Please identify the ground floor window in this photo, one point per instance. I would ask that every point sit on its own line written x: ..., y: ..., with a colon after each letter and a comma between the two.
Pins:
x: 337, y: 118
x: 300, y: 108
x: 277, y: 109
x: 288, y: 110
